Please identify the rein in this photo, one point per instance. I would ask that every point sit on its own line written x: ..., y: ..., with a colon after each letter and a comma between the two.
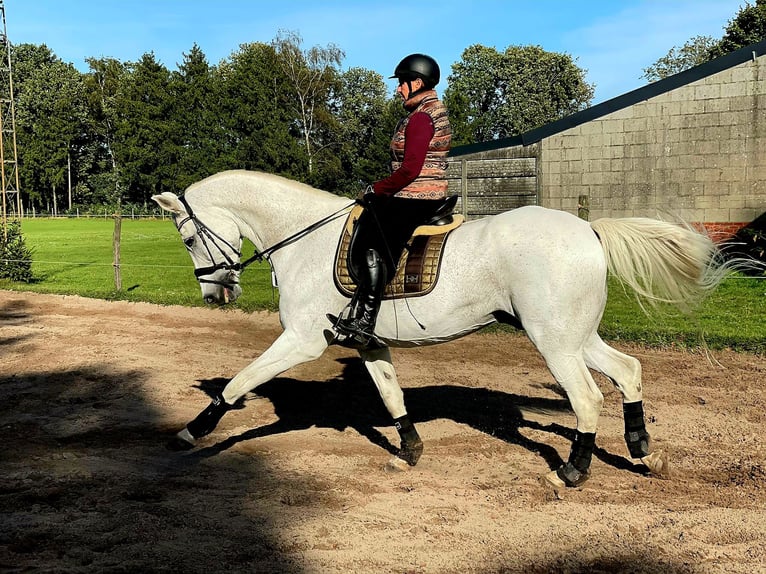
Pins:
x: 206, y: 234
x: 261, y: 255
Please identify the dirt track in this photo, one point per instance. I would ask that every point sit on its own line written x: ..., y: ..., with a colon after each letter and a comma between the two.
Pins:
x: 293, y: 481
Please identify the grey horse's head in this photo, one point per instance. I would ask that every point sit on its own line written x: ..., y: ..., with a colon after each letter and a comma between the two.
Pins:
x: 214, y: 243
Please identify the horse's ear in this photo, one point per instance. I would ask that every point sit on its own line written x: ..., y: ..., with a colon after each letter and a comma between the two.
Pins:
x: 169, y: 201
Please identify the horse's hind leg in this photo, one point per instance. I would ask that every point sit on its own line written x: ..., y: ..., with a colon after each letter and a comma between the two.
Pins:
x: 381, y: 369
x: 625, y: 373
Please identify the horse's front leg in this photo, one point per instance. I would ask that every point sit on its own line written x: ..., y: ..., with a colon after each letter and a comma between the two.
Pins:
x: 288, y: 350
x: 381, y: 369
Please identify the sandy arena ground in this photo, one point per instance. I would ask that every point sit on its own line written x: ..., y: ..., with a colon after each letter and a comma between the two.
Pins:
x: 90, y: 391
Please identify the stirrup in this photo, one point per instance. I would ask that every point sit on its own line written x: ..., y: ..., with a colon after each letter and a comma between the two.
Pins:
x: 348, y: 327
x: 337, y: 323
x: 351, y: 339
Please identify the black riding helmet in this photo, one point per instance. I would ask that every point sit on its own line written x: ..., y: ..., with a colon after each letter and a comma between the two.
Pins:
x: 418, y: 66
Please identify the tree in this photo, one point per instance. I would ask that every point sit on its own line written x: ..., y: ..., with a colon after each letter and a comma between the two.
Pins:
x: 311, y: 74
x: 747, y: 27
x: 15, y: 256
x: 694, y: 52
x: 259, y: 127
x: 366, y: 121
x: 104, y: 85
x: 145, y: 137
x: 196, y: 113
x: 494, y: 95
x: 51, y: 127
x: 26, y: 59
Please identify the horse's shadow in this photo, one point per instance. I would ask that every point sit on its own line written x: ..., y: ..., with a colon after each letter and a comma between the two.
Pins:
x: 14, y: 313
x: 352, y: 400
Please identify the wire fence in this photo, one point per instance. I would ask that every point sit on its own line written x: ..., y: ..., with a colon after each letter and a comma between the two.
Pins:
x: 90, y: 215
x: 90, y: 263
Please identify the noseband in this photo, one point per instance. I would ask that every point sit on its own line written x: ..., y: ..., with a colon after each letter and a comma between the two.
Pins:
x: 211, y: 238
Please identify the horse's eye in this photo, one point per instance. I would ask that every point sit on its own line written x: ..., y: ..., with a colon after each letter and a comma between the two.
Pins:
x: 189, y: 241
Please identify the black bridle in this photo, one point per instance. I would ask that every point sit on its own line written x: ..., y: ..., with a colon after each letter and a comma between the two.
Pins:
x: 210, y: 238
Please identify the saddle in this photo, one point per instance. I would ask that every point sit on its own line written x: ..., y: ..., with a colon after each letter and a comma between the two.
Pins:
x: 418, y: 266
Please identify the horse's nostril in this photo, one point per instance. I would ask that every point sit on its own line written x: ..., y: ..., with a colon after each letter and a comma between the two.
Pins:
x: 209, y: 300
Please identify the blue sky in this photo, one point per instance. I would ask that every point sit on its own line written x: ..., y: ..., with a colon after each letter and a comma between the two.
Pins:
x: 613, y: 40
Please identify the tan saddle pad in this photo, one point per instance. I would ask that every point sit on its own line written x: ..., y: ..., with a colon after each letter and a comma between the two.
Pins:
x: 418, y: 266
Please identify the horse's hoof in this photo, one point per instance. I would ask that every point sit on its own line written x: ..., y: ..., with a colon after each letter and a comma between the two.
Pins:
x: 553, y: 482
x: 182, y: 441
x: 396, y: 464
x: 658, y: 464
x: 411, y: 453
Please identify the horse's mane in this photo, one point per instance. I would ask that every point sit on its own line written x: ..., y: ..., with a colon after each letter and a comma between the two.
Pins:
x: 270, y: 179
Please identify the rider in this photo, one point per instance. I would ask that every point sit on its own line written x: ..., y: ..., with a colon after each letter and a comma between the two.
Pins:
x: 413, y: 192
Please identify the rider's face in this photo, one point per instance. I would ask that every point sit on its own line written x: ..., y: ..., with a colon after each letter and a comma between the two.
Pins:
x: 404, y: 88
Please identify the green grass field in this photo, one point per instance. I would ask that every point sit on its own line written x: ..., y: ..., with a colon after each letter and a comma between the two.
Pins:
x: 74, y: 256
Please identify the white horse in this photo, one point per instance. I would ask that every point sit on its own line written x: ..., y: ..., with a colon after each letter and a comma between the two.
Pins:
x: 540, y: 269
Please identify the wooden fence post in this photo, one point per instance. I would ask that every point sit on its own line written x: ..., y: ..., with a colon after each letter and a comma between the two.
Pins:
x: 464, y: 187
x: 116, y: 246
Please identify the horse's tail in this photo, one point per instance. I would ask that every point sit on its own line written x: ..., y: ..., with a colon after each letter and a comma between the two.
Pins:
x: 661, y: 261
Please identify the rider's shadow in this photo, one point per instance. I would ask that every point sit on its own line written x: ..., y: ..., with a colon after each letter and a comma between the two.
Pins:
x: 352, y: 400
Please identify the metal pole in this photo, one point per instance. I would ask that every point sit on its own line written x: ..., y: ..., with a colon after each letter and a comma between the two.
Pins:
x: 9, y: 172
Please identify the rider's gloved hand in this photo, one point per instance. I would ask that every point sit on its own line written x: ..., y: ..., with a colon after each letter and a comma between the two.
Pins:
x: 366, y: 197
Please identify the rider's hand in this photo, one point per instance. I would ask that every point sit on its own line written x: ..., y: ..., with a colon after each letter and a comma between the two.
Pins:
x: 366, y: 197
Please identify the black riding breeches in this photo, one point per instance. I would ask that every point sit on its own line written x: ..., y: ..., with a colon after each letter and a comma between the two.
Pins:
x: 386, y: 226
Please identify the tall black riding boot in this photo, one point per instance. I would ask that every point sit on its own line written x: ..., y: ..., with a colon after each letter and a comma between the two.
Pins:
x: 361, y: 323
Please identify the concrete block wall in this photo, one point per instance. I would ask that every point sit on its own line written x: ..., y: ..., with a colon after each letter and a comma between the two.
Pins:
x: 698, y: 152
